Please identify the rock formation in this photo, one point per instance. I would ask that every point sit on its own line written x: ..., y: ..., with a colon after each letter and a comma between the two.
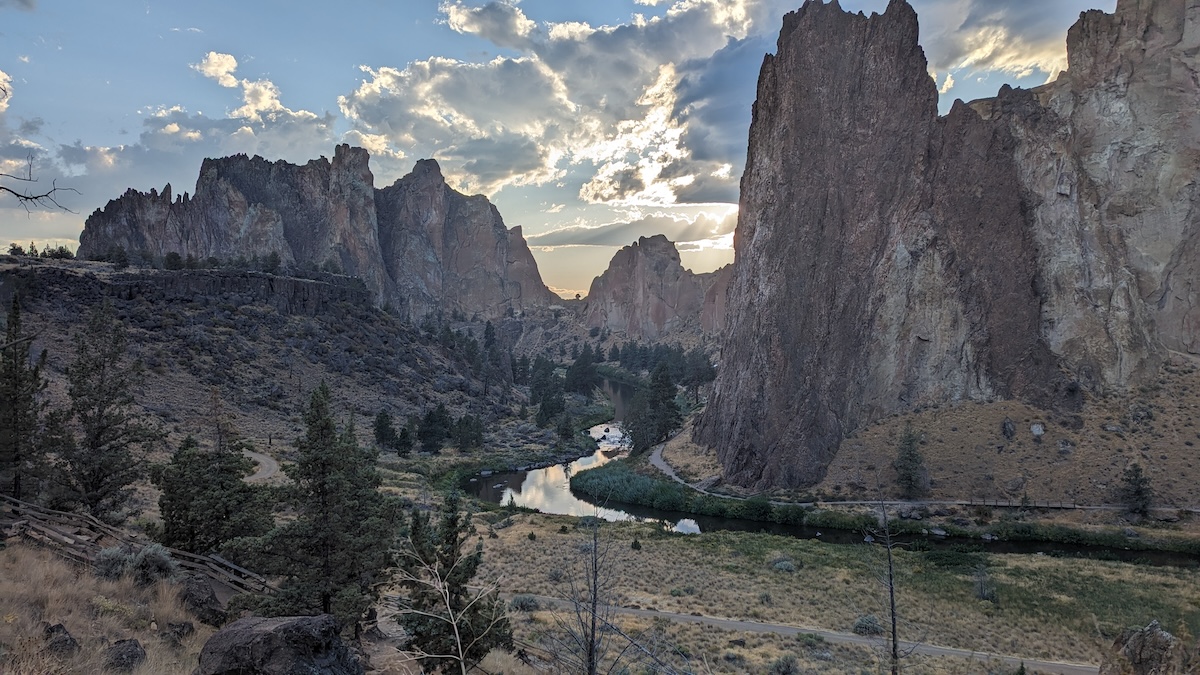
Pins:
x: 1144, y: 651
x: 646, y: 293
x: 417, y: 244
x: 1033, y: 245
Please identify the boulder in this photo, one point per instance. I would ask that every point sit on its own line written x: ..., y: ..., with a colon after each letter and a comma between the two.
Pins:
x: 1145, y: 651
x: 59, y: 642
x: 199, y: 598
x: 305, y: 645
x: 124, y: 656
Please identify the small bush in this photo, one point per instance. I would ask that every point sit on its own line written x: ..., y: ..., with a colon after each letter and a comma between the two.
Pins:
x: 636, y: 545
x: 764, y: 598
x: 524, y: 603
x: 784, y: 665
x: 112, y: 563
x: 532, y: 536
x: 784, y: 566
x: 867, y: 625
x: 152, y: 564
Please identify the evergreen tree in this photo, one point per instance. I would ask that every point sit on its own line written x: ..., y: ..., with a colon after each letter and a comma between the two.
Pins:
x: 385, y: 432
x: 205, y: 502
x: 21, y: 384
x: 1135, y: 490
x: 911, y: 474
x: 336, y: 550
x: 435, y: 428
x: 653, y: 414
x: 489, y: 336
x: 582, y: 377
x: 551, y: 403
x: 468, y: 433
x: 452, y: 628
x: 99, y: 442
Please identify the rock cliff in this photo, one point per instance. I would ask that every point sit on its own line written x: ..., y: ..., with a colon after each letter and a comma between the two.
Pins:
x: 646, y: 293
x: 417, y: 244
x: 1031, y: 246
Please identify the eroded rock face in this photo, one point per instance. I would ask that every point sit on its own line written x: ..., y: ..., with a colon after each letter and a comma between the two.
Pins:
x: 417, y: 244
x: 1143, y: 651
x: 646, y: 293
x: 1025, y: 246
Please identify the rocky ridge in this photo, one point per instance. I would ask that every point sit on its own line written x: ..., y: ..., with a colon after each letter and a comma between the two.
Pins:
x: 1036, y: 246
x: 417, y: 245
x: 646, y: 293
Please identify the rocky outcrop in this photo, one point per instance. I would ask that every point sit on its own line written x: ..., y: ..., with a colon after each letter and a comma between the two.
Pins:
x: 646, y: 293
x: 417, y: 245
x: 280, y: 646
x: 1144, y: 651
x: 1030, y: 246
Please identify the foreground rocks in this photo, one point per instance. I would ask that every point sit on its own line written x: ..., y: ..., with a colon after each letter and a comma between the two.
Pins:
x: 1033, y: 246
x: 1146, y: 651
x: 307, y: 645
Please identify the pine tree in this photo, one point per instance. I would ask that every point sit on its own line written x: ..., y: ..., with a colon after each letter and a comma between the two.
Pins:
x: 667, y: 417
x: 205, y: 500
x: 338, y: 546
x: 551, y: 403
x: 99, y: 442
x: 582, y: 377
x: 452, y: 628
x: 1135, y: 490
x: 21, y: 384
x: 911, y: 474
x: 385, y: 431
x: 435, y: 428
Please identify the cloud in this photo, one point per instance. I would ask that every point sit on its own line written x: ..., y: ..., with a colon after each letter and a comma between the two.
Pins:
x: 219, y: 67
x: 599, y: 106
x: 19, y: 4
x: 676, y: 227
x: 186, y: 30
x: 947, y: 85
x: 501, y: 23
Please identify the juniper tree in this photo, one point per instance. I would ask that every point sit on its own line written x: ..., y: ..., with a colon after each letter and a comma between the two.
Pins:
x: 99, y: 442
x: 335, y: 551
x: 21, y: 383
x: 911, y: 474
x: 653, y: 414
x: 1135, y: 490
x: 452, y: 627
x: 205, y: 500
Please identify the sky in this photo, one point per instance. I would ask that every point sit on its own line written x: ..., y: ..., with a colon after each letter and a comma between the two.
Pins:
x: 588, y: 123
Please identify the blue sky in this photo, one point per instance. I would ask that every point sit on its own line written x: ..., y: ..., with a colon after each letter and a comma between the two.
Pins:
x: 587, y: 123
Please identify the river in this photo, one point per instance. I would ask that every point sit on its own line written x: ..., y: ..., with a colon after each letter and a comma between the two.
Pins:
x: 549, y: 491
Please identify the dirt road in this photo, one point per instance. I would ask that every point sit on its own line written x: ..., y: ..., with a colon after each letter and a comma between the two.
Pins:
x: 267, y: 467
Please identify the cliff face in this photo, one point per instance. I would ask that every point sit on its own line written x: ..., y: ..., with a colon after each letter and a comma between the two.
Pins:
x: 1025, y: 246
x: 417, y: 244
x: 646, y: 293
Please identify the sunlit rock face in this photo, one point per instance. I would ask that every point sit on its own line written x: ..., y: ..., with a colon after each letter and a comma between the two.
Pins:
x: 418, y: 245
x: 1030, y: 246
x: 646, y: 293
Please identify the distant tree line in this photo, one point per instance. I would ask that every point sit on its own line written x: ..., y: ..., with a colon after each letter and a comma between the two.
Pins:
x: 59, y: 252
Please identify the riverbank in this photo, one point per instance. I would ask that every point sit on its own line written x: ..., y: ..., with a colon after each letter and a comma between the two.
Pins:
x: 633, y: 482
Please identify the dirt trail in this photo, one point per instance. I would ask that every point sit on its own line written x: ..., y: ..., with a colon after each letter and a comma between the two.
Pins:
x: 267, y: 467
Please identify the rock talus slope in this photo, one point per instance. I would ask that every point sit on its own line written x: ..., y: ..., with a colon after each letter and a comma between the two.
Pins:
x: 1030, y: 246
x: 417, y: 245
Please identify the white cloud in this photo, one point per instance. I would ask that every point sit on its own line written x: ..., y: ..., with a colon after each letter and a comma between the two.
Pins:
x: 948, y: 84
x: 501, y: 23
x: 219, y: 67
x: 709, y: 226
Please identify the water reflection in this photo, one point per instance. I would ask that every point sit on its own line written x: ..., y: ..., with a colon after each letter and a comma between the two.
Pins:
x: 549, y: 490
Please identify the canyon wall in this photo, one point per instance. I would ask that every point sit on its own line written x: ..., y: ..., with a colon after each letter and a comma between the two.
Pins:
x: 1035, y: 245
x: 417, y: 245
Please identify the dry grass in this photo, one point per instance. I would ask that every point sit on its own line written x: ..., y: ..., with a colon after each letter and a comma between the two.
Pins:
x: 1058, y: 609
x: 691, y: 462
x: 967, y: 455
x: 37, y: 587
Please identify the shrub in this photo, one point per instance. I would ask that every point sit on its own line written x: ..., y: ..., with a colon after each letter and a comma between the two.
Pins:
x: 524, y: 603
x: 636, y: 545
x: 532, y: 536
x: 112, y: 563
x: 784, y: 665
x: 784, y: 566
x: 153, y: 563
x: 764, y: 598
x: 868, y: 625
